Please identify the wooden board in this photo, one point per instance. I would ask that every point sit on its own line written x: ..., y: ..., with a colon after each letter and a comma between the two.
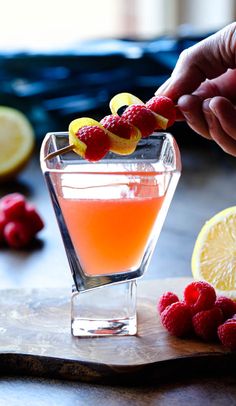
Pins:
x: 35, y: 339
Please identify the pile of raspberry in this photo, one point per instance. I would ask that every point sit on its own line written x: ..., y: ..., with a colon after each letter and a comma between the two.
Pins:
x: 200, y: 313
x: 19, y: 221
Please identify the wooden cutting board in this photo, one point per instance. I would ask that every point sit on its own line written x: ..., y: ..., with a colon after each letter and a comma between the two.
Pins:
x: 35, y: 339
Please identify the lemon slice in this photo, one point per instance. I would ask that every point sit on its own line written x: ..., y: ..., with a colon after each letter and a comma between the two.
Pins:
x: 121, y: 100
x: 214, y: 254
x: 16, y: 142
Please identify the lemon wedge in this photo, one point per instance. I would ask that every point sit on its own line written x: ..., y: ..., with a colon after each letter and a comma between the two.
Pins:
x: 16, y: 142
x: 214, y: 254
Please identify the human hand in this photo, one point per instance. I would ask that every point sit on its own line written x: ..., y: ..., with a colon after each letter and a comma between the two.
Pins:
x: 203, y: 84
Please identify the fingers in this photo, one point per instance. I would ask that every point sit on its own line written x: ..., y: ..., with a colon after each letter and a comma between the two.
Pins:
x: 199, y: 99
x: 224, y: 85
x: 191, y: 107
x: 209, y: 58
x: 220, y: 116
x: 213, y: 118
x: 225, y: 111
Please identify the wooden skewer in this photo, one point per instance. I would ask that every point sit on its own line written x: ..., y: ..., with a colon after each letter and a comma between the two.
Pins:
x: 59, y: 152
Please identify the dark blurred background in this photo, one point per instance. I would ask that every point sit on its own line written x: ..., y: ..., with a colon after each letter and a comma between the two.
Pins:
x: 62, y: 60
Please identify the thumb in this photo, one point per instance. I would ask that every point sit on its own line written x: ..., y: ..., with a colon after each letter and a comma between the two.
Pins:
x: 206, y: 60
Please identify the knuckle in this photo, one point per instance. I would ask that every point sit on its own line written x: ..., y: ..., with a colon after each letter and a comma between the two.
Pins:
x: 228, y: 44
x: 184, y: 55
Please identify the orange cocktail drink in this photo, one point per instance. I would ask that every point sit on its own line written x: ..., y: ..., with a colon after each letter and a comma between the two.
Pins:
x: 110, y: 235
x: 110, y: 214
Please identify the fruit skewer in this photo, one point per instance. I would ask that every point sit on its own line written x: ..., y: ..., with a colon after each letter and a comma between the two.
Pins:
x: 119, y: 134
x: 61, y: 151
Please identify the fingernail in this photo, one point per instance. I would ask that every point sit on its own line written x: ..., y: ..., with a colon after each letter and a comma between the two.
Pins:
x: 206, y: 106
x: 207, y: 111
x: 183, y: 104
x: 212, y: 107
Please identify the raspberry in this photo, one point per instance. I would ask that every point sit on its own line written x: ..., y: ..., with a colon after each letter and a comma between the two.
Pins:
x: 232, y: 319
x: 3, y: 223
x: 33, y: 219
x: 17, y: 234
x: 97, y: 142
x: 117, y: 125
x: 176, y: 318
x: 227, y: 306
x: 13, y: 206
x: 164, y: 106
x: 227, y: 334
x: 165, y: 300
x: 206, y: 322
x: 199, y: 296
x: 19, y: 221
x: 142, y: 117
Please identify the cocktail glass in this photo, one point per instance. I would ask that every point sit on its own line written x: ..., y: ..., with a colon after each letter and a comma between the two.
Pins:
x: 110, y: 214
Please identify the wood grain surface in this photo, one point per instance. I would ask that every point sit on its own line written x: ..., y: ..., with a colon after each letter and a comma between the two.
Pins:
x: 35, y: 339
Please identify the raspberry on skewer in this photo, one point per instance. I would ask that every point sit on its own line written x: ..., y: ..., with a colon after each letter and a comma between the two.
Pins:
x: 96, y: 141
x: 123, y: 132
x: 141, y: 117
x: 164, y: 106
x: 119, y: 126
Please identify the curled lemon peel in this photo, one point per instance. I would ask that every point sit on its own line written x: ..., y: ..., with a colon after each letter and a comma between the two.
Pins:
x: 118, y: 145
x: 123, y: 146
x: 127, y: 99
x: 122, y: 100
x: 162, y: 122
x: 75, y: 125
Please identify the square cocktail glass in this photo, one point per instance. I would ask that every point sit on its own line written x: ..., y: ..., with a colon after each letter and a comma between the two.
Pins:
x: 110, y: 214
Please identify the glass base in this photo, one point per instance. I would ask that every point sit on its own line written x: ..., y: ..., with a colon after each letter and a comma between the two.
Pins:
x: 105, y: 311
